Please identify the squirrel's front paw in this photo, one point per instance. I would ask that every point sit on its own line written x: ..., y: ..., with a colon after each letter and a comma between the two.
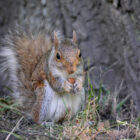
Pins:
x: 77, y: 85
x: 68, y: 87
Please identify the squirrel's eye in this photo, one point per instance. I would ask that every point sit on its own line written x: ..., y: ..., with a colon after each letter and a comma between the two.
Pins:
x: 58, y: 56
x: 80, y: 54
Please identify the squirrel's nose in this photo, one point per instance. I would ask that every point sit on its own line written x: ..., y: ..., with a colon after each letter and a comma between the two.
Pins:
x: 71, y: 71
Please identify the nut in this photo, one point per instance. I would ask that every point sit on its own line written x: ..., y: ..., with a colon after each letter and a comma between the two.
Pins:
x: 71, y: 80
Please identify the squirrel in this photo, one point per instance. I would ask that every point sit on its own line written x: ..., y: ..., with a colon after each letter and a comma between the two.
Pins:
x: 45, y: 76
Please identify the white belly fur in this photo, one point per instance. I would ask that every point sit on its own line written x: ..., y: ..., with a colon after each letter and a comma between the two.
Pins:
x: 54, y: 106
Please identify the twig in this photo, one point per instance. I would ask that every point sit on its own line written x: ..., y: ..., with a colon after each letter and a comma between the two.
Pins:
x: 14, y: 128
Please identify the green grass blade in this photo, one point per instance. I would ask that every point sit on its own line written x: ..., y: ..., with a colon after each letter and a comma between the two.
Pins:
x: 122, y: 103
x: 16, y: 135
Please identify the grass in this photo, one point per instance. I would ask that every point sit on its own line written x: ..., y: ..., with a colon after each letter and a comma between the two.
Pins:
x: 96, y: 121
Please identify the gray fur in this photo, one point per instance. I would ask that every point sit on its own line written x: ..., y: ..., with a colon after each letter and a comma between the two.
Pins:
x: 8, y: 69
x: 54, y: 106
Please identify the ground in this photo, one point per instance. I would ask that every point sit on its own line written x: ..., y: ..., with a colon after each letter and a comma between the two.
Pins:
x: 104, y: 118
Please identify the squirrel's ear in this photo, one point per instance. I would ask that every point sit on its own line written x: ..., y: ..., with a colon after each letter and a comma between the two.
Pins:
x: 75, y: 37
x: 56, y: 41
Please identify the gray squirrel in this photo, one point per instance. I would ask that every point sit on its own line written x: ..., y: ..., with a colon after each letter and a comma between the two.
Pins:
x: 44, y: 76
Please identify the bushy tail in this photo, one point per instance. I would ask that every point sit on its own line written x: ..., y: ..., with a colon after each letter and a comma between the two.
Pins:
x: 21, y: 56
x: 8, y: 68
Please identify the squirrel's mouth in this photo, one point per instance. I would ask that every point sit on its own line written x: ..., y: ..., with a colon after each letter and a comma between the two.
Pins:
x: 71, y: 75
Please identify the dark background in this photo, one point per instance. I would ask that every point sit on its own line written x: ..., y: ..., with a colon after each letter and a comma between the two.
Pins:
x: 108, y: 33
